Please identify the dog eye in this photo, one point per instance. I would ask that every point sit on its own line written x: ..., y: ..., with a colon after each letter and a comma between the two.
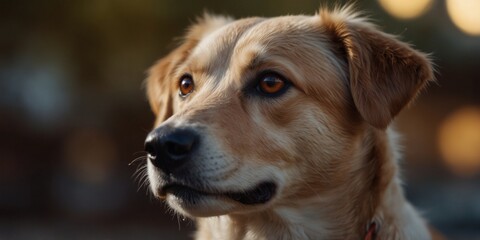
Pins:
x: 271, y: 84
x: 186, y: 85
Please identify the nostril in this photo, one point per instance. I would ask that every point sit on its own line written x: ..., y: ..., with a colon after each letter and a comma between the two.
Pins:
x: 150, y: 148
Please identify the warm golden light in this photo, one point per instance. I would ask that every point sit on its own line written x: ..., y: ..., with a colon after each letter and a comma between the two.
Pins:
x: 459, y: 141
x: 406, y: 9
x: 465, y: 14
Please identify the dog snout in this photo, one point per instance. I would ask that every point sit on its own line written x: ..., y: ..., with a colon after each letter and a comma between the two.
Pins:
x: 169, y: 148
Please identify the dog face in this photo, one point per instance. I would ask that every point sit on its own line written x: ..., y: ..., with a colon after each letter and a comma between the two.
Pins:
x: 257, y: 113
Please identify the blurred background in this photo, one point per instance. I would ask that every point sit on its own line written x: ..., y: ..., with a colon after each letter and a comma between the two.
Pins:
x: 73, y: 113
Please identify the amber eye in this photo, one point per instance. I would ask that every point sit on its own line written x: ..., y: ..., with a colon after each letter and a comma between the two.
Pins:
x: 186, y: 85
x: 271, y: 84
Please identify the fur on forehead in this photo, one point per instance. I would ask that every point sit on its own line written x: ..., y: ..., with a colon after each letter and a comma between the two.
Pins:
x: 296, y: 46
x: 384, y: 75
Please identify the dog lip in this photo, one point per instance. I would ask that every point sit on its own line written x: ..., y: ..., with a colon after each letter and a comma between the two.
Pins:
x: 259, y: 194
x: 183, y: 192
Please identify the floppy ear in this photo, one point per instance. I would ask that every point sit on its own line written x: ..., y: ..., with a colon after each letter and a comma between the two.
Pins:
x: 385, y: 74
x: 160, y: 84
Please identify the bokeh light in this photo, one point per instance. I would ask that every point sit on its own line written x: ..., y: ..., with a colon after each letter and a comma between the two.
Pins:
x: 406, y: 9
x: 465, y: 14
x: 459, y: 141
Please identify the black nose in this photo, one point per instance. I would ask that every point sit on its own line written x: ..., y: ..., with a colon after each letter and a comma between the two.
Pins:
x: 169, y: 148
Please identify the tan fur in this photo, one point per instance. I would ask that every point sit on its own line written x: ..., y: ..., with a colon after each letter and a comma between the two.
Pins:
x: 325, y: 142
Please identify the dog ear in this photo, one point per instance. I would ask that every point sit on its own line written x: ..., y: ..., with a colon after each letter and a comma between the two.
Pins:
x: 160, y: 84
x: 385, y: 74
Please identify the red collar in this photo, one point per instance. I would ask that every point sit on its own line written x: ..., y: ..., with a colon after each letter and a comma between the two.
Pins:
x: 371, y: 232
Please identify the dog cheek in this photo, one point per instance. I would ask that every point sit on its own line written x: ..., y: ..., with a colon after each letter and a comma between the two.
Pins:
x: 322, y: 142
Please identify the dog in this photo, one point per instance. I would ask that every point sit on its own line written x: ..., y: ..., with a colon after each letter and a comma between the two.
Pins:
x: 278, y: 128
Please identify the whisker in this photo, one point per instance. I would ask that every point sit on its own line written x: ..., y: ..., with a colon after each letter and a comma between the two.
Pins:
x: 139, y: 171
x: 141, y: 184
x: 144, y: 183
x: 140, y: 153
x: 141, y: 158
x: 178, y: 221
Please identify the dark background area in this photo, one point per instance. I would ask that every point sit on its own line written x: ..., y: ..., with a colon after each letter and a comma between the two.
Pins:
x: 73, y: 114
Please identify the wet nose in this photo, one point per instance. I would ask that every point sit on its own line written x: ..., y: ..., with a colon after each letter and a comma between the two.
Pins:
x: 170, y: 148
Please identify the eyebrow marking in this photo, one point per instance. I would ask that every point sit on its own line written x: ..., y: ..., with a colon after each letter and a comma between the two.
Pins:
x: 255, y: 62
x: 280, y: 64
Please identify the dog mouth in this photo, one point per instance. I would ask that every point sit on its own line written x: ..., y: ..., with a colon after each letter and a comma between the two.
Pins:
x: 259, y: 194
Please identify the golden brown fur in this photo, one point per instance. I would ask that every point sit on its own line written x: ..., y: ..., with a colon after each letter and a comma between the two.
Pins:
x: 325, y: 141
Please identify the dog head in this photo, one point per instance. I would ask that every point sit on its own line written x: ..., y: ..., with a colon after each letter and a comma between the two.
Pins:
x: 260, y: 112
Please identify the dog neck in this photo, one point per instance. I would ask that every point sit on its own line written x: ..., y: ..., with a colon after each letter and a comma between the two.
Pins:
x: 346, y: 213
